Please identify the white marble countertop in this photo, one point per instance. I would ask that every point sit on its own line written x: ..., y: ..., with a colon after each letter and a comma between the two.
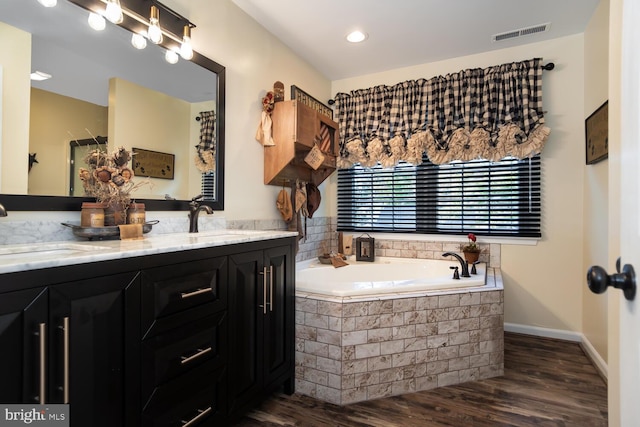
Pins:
x: 33, y: 256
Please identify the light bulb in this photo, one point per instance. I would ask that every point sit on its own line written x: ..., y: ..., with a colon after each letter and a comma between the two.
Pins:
x: 155, y: 32
x: 357, y: 36
x: 48, y: 3
x: 171, y: 57
x: 186, y: 50
x: 139, y: 41
x: 114, y: 11
x: 96, y: 22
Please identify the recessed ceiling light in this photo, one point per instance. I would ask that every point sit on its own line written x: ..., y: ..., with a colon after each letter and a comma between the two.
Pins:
x: 357, y: 36
x: 39, y: 76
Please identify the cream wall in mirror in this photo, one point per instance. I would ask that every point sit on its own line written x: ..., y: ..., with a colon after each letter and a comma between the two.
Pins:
x: 147, y: 104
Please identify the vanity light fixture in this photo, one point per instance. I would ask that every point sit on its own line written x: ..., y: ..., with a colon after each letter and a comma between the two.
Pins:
x: 186, y: 50
x: 48, y: 3
x: 357, y: 36
x: 113, y: 11
x: 139, y: 41
x: 40, y: 76
x: 96, y: 21
x: 171, y: 56
x: 155, y: 32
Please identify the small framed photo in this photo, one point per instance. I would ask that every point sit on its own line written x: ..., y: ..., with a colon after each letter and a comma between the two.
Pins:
x: 596, y: 129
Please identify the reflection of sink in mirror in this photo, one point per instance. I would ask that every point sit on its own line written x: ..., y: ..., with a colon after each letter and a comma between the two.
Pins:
x: 40, y: 251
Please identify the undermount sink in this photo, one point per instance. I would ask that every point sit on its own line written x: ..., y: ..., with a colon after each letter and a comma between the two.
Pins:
x: 47, y: 250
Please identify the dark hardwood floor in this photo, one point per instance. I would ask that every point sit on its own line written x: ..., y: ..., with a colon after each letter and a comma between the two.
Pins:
x: 547, y: 382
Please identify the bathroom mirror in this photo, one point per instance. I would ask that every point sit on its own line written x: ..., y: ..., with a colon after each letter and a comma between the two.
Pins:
x: 90, y: 69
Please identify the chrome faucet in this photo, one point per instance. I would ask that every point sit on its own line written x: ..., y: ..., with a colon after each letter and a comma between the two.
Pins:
x: 194, y: 210
x: 463, y: 264
x: 3, y: 211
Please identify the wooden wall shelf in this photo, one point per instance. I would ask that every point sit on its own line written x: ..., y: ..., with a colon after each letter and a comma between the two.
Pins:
x: 296, y: 128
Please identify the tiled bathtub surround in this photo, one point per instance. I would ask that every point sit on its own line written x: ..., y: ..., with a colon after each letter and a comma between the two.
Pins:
x: 350, y: 350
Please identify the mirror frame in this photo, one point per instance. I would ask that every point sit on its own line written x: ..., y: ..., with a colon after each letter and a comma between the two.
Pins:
x: 18, y: 202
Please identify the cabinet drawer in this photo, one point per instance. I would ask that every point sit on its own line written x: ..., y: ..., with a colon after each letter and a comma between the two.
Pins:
x: 168, y: 355
x: 198, y: 397
x: 177, y: 288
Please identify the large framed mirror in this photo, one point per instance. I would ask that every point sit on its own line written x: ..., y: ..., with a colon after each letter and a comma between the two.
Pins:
x: 103, y: 88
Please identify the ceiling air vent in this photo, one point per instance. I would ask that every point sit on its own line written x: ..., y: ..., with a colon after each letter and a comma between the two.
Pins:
x: 521, y: 32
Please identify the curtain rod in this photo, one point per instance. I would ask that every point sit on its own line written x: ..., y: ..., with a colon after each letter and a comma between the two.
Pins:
x: 548, y: 67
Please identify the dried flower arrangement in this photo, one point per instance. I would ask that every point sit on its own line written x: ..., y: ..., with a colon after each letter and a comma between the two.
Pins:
x: 109, y: 178
x: 268, y: 102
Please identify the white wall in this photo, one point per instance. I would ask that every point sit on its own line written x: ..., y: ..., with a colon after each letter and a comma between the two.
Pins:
x: 15, y: 59
x: 254, y: 60
x: 596, y: 192
x: 543, y: 283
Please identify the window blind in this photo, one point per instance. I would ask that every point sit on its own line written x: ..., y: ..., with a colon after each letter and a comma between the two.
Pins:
x: 487, y: 198
x: 208, y: 185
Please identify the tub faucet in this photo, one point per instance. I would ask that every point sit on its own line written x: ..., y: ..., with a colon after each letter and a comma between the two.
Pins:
x: 3, y: 211
x: 194, y: 210
x: 463, y: 264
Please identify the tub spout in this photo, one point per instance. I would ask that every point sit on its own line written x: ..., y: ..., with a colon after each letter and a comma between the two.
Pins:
x: 463, y: 264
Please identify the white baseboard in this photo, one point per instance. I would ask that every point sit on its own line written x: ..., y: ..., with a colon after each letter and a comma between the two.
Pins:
x: 586, y: 345
x: 543, y: 332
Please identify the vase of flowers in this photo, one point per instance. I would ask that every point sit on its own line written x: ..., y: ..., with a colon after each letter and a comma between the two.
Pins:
x: 471, y: 250
x: 110, y: 180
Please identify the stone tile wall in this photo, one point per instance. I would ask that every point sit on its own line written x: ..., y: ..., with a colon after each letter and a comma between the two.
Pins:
x: 348, y: 352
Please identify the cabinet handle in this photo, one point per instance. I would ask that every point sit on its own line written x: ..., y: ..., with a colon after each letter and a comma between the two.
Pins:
x: 200, y: 352
x: 65, y: 329
x: 200, y: 291
x: 264, y: 290
x: 271, y: 288
x: 202, y: 413
x: 43, y: 362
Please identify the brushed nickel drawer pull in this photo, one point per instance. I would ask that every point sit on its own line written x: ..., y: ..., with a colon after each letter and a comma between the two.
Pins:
x: 264, y: 290
x: 199, y: 291
x: 43, y: 362
x: 201, y: 352
x: 203, y: 413
x: 271, y: 288
x: 66, y: 360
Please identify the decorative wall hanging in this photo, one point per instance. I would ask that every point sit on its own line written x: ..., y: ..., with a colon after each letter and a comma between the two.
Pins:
x: 489, y: 113
x: 264, y: 131
x: 153, y: 163
x: 596, y: 130
x: 303, y: 97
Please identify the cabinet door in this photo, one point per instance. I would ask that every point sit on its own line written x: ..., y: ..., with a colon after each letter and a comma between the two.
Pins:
x: 246, y: 313
x: 279, y: 321
x: 92, y: 321
x: 23, y: 316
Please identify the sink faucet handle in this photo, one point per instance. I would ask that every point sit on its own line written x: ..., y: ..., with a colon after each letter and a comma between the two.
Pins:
x: 197, y: 198
x: 456, y: 275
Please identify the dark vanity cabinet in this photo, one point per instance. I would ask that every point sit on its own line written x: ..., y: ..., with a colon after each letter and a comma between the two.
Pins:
x: 261, y: 318
x: 184, y: 352
x: 70, y: 341
x: 192, y: 338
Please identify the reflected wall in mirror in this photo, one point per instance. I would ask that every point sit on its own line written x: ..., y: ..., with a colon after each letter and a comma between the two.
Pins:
x: 100, y: 85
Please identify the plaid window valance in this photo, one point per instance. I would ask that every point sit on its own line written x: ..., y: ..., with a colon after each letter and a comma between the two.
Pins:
x: 489, y: 113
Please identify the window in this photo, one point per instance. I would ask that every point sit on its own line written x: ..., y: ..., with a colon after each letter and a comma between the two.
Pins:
x: 208, y: 185
x: 487, y: 198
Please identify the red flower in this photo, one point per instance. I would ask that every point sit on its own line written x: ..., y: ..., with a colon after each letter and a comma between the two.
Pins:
x: 471, y: 237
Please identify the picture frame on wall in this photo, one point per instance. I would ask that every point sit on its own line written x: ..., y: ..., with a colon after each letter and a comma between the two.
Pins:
x: 596, y: 130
